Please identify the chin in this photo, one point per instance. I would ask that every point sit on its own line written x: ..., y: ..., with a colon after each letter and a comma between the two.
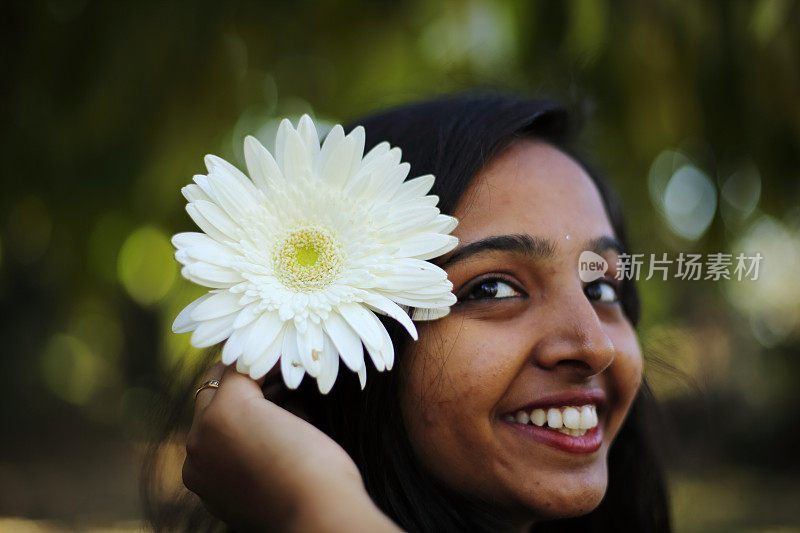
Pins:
x: 569, y: 496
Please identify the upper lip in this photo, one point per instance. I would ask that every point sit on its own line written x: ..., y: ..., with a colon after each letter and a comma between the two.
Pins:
x: 578, y: 398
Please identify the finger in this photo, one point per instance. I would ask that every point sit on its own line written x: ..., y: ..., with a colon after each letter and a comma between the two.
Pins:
x: 203, y: 398
x: 237, y: 386
x: 190, y: 477
x: 197, y: 484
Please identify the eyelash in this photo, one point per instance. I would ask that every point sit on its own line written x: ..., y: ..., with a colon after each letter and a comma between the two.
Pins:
x: 467, y: 291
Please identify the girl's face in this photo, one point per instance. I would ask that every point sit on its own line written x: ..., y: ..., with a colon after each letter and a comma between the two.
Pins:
x: 527, y: 337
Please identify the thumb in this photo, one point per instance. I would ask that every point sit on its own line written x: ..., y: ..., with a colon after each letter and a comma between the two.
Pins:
x: 240, y: 386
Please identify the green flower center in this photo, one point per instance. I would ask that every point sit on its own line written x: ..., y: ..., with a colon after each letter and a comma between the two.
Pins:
x: 308, y: 258
x: 306, y: 255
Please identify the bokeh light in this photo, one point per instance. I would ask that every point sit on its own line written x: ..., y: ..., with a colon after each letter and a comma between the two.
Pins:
x: 690, y: 201
x: 772, y: 302
x: 740, y: 194
x: 71, y: 370
x: 146, y: 266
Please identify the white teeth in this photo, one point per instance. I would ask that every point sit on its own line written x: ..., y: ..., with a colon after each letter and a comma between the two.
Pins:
x: 572, y: 418
x: 588, y: 417
x: 572, y: 432
x: 554, y: 418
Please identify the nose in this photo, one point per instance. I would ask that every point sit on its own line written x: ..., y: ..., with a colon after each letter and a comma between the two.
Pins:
x: 576, y: 341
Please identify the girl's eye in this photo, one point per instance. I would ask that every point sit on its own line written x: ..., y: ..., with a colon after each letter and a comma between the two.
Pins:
x: 602, y: 291
x: 490, y: 289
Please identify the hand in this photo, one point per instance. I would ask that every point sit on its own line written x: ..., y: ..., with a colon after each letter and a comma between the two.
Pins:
x: 255, y: 465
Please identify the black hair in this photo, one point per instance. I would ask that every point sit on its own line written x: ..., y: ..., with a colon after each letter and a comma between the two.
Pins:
x: 453, y: 138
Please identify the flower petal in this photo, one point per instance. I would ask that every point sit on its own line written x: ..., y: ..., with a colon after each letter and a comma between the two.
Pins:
x: 329, y: 146
x: 291, y: 366
x: 261, y: 165
x: 189, y: 239
x: 220, y: 304
x: 268, y: 358
x: 439, y: 251
x: 247, y: 315
x: 429, y: 314
x: 442, y: 224
x: 443, y: 300
x: 193, y: 247
x: 296, y: 162
x: 236, y: 199
x: 362, y: 376
x: 308, y: 132
x: 403, y: 222
x: 204, y: 224
x: 346, y: 341
x: 211, y: 275
x: 263, y: 333
x: 357, y: 317
x: 378, y: 150
x: 359, y: 186
x: 183, y: 322
x: 330, y: 366
x: 218, y: 218
x: 414, y: 187
x: 385, y: 349
x: 359, y: 138
x: 193, y: 192
x: 368, y: 327
x: 309, y: 346
x: 336, y: 164
x: 202, y: 181
x: 370, y: 179
x: 409, y: 274
x: 390, y: 184
x: 420, y: 246
x: 234, y: 345
x: 218, y: 165
x: 388, y: 307
x: 280, y: 141
x: 211, y: 332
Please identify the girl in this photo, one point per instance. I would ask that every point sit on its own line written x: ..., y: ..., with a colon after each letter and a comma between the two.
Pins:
x: 468, y: 432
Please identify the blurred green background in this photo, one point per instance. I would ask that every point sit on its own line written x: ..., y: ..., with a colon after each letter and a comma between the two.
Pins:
x: 693, y: 111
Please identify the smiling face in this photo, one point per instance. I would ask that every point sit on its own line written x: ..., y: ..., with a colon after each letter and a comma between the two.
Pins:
x: 527, y: 337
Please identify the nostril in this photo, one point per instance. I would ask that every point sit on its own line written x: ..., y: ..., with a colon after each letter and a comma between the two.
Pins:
x: 577, y: 365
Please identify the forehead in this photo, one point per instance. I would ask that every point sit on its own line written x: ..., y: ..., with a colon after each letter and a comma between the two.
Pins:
x: 532, y: 188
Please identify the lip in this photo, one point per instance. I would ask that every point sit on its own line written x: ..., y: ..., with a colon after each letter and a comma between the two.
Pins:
x: 588, y: 443
x: 575, y: 398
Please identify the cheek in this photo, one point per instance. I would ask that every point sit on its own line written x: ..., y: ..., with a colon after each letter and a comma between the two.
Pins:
x: 629, y: 362
x: 452, y: 382
x: 626, y: 370
x: 454, y: 366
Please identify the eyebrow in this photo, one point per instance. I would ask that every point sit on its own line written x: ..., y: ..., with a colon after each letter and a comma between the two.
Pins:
x: 528, y: 245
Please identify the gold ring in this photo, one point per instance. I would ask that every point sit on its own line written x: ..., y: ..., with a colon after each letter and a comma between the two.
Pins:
x: 210, y: 384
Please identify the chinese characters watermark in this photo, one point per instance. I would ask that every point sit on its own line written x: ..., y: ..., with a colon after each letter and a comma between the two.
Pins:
x: 714, y: 266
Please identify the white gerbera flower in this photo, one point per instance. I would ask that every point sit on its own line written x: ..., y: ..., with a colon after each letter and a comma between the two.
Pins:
x: 299, y: 258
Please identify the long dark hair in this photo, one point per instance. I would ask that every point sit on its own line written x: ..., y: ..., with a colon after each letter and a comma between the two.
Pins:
x: 453, y: 138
